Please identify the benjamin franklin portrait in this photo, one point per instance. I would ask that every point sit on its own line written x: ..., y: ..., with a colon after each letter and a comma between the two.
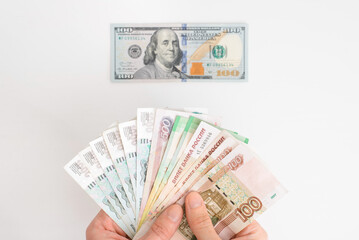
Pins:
x: 162, y: 55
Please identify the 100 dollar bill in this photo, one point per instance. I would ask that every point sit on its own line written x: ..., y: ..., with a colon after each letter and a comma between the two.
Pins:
x: 184, y: 52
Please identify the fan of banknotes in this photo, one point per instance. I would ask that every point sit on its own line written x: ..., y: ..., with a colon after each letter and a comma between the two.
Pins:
x: 135, y: 169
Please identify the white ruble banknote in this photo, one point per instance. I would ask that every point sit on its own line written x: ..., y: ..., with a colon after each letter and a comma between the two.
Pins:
x: 164, y: 120
x: 115, y: 148
x: 145, y: 121
x: 230, y: 140
x: 186, y: 136
x: 215, y: 151
x: 162, y: 128
x: 235, y: 191
x: 202, y: 137
x: 101, y: 179
x: 128, y: 133
x: 167, y: 162
x: 99, y: 149
x: 190, y: 52
x: 176, y: 133
x: 77, y: 169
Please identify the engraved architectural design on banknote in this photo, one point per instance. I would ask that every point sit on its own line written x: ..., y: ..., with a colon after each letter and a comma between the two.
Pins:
x: 217, y: 207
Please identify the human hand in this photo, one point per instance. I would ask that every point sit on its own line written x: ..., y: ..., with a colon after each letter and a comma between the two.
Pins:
x: 201, y: 224
x: 103, y: 227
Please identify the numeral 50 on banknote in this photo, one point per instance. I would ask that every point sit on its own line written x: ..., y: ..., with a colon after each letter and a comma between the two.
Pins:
x: 179, y: 52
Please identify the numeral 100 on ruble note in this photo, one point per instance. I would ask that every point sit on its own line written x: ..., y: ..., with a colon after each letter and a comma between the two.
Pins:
x: 246, y: 210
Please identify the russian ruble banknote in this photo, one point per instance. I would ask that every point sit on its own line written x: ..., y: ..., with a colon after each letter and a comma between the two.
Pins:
x: 202, y: 137
x: 162, y: 128
x: 176, y: 133
x: 235, y: 191
x: 220, y: 147
x: 101, y: 179
x: 170, y: 194
x: 115, y: 148
x: 164, y: 120
x: 145, y: 121
x: 98, y: 147
x: 77, y: 169
x: 186, y: 136
x: 168, y: 153
x: 128, y: 133
x: 182, y: 52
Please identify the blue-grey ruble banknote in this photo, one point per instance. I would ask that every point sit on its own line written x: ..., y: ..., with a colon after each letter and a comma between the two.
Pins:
x: 100, y: 151
x: 145, y: 121
x: 128, y: 134
x: 77, y: 169
x: 179, y: 52
x: 96, y: 171
x: 115, y: 148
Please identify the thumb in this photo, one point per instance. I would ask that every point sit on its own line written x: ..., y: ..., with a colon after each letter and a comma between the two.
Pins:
x: 165, y: 225
x: 198, y: 219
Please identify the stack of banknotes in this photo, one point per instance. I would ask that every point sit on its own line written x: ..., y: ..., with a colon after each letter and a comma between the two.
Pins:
x: 136, y: 169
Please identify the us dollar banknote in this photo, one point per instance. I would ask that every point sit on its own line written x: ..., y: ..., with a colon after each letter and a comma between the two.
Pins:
x: 179, y: 52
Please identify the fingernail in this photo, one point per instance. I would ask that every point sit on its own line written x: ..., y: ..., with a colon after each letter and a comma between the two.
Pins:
x: 195, y: 200
x: 174, y: 213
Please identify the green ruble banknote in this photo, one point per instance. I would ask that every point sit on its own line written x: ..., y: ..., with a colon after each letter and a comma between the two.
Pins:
x: 214, y: 153
x: 176, y: 133
x: 179, y: 52
x: 202, y: 137
x: 178, y: 145
x: 191, y: 126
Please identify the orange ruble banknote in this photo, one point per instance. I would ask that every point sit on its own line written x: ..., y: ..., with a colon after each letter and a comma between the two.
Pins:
x: 235, y: 191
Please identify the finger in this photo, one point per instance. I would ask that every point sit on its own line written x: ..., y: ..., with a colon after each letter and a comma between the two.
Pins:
x: 103, y: 223
x: 104, y: 235
x: 109, y: 224
x: 116, y: 229
x: 198, y: 219
x: 165, y: 225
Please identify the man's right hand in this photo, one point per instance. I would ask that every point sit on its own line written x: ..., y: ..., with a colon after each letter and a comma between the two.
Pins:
x: 201, y: 224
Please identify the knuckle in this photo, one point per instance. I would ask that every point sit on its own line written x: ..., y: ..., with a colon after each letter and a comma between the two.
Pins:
x: 160, y: 230
x: 201, y: 221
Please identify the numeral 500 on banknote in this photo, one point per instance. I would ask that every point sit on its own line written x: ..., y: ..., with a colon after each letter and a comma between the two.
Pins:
x: 182, y: 52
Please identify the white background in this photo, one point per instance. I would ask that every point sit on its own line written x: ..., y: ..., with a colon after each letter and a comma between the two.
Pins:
x: 299, y: 108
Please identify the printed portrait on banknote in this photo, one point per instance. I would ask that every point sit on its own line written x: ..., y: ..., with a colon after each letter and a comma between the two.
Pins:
x: 162, y: 55
x: 179, y: 52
